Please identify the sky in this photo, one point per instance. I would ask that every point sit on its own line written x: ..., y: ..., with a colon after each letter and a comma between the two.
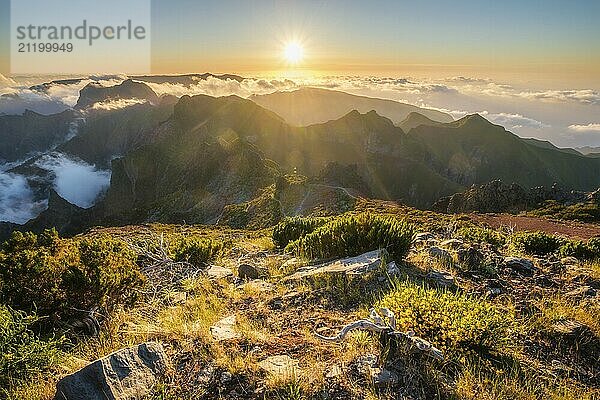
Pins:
x: 556, y: 40
x: 530, y: 65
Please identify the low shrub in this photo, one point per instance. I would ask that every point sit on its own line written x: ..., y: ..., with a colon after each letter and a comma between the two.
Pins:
x: 589, y: 250
x: 355, y: 234
x: 56, y: 277
x: 294, y: 228
x: 478, y: 234
x: 22, y: 354
x: 539, y: 243
x: 196, y: 251
x: 450, y: 321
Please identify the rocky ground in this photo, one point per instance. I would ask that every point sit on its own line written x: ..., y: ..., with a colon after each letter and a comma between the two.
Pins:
x: 250, y: 325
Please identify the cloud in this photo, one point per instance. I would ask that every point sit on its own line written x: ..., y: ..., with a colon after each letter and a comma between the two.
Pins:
x: 17, y: 202
x: 589, y: 128
x: 584, y: 96
x: 117, y: 104
x: 76, y: 181
x: 514, y: 121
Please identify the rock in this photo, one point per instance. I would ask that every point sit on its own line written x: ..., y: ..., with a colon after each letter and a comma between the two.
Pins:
x: 569, y: 261
x: 292, y: 263
x: 224, y: 329
x: 470, y: 257
x: 423, y: 236
x: 520, y: 265
x: 392, y: 269
x: 125, y: 374
x: 383, y: 377
x: 247, y: 271
x: 582, y: 292
x: 358, y: 265
x: 438, y: 253
x: 280, y: 366
x: 441, y: 278
x: 569, y: 327
x: 452, y: 244
x: 217, y: 272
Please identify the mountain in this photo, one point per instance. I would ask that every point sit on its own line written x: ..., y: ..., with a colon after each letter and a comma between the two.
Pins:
x: 545, y: 144
x: 95, y: 92
x: 30, y: 133
x: 308, y: 106
x: 473, y: 150
x: 589, y: 151
x: 415, y: 119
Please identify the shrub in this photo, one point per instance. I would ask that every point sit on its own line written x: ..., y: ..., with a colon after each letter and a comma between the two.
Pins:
x: 56, y: 277
x: 589, y: 250
x: 487, y: 235
x: 294, y: 228
x: 355, y: 234
x: 538, y: 243
x: 451, y: 321
x: 22, y: 354
x: 196, y: 251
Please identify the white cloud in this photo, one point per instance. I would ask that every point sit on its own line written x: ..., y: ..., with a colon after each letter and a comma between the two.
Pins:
x: 117, y: 104
x: 589, y: 128
x: 76, y: 181
x: 17, y: 200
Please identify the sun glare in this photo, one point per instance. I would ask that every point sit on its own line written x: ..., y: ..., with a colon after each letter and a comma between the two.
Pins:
x: 293, y: 53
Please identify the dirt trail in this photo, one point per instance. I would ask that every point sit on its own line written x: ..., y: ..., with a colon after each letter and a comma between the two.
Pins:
x: 523, y: 223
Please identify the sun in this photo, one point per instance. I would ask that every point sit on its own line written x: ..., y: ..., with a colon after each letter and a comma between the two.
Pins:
x: 293, y: 52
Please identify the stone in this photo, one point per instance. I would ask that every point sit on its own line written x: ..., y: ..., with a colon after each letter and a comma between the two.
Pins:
x: 441, y: 278
x: 224, y: 329
x: 423, y: 236
x: 452, y: 244
x: 439, y: 253
x: 125, y: 374
x: 392, y: 269
x: 280, y: 366
x: 520, y: 265
x: 217, y: 272
x: 568, y: 327
x: 358, y: 265
x: 383, y: 377
x: 247, y: 271
x: 569, y: 261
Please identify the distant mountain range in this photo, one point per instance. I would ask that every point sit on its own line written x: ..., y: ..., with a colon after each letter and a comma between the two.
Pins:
x: 309, y: 105
x: 188, y: 159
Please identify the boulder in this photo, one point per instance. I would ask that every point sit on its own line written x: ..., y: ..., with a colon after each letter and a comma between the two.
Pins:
x: 217, y: 272
x: 439, y: 253
x: 520, y: 265
x: 280, y: 366
x: 453, y: 244
x: 358, y: 265
x: 224, y: 329
x: 441, y: 278
x: 247, y: 271
x: 123, y: 375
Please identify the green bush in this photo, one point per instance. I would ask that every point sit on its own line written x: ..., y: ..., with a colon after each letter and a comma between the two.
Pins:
x: 353, y: 235
x: 589, y: 250
x: 450, y: 321
x: 487, y: 235
x: 294, y: 228
x: 539, y: 243
x: 196, y: 251
x: 22, y: 354
x: 56, y: 277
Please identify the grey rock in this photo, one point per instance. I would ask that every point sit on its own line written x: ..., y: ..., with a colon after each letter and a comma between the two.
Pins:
x: 247, y: 271
x: 521, y: 265
x: 358, y: 265
x: 123, y: 375
x: 383, y: 377
x: 224, y: 329
x: 583, y: 292
x: 217, y: 272
x: 441, y: 278
x: 280, y: 366
x: 438, y: 253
